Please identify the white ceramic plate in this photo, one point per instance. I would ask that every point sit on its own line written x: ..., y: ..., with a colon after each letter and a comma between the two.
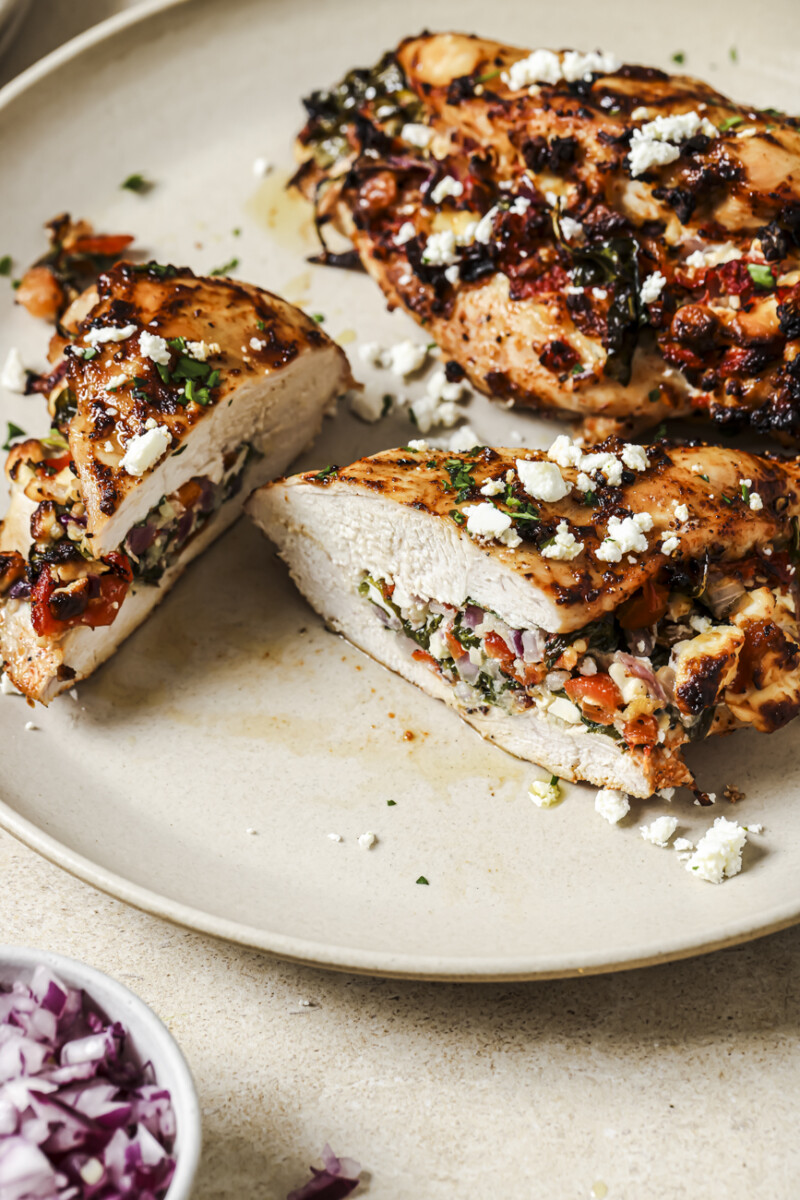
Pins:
x: 233, y: 709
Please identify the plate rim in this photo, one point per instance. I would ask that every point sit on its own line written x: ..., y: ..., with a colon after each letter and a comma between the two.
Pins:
x: 305, y: 951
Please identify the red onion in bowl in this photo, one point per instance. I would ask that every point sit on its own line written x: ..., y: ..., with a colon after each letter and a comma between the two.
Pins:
x: 78, y: 1118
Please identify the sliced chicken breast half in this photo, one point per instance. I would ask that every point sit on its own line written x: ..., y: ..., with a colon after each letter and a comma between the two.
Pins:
x: 172, y: 397
x: 591, y: 610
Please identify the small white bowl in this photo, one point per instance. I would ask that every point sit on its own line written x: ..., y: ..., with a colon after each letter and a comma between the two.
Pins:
x: 150, y: 1040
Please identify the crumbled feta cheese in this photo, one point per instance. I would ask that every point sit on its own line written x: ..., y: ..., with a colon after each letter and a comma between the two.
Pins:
x: 681, y: 512
x: 335, y: 837
x: 405, y: 233
x: 754, y: 828
x: 520, y: 205
x: 755, y: 502
x: 564, y: 545
x: 571, y: 229
x: 404, y: 358
x: 696, y: 259
x: 144, y: 450
x: 575, y: 66
x: 109, y: 333
x: 30, y: 727
x: 700, y: 623
x: 542, y: 480
x: 486, y: 521
x: 420, y: 136
x: 418, y: 444
x: 682, y: 844
x: 714, y: 255
x: 115, y: 381
x: 154, y: 347
x: 645, y: 154
x: 652, y: 287
x: 544, y: 794
x: 599, y: 293
x: 452, y: 274
x: 541, y: 66
x: 719, y: 851
x: 659, y: 831
x: 371, y: 353
x: 14, y: 377
x: 448, y: 186
x: 583, y: 483
x: 656, y: 143
x: 612, y: 805
x: 565, y: 452
x: 634, y: 457
x: 440, y: 249
x: 257, y: 344
x: 565, y: 710
x: 463, y: 438
x: 510, y: 538
x: 493, y: 487
x: 367, y: 840
x: 253, y: 832
x: 368, y: 406
x: 670, y: 544
x: 666, y: 793
x: 7, y: 687
x: 625, y: 536
x: 261, y: 167
x: 606, y: 463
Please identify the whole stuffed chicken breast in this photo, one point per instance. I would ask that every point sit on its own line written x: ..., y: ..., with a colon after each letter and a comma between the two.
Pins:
x: 578, y: 235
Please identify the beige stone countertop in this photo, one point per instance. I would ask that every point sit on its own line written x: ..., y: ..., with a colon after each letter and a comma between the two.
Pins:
x: 669, y: 1082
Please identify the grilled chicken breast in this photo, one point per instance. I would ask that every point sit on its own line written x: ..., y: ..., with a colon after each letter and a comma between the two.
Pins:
x: 579, y: 236
x: 172, y: 396
x: 589, y: 610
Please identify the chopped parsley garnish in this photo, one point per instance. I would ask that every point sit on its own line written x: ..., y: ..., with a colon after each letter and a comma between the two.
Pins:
x: 761, y: 275
x: 391, y: 803
x: 745, y: 491
x: 5, y: 264
x: 461, y: 481
x: 730, y: 123
x: 386, y: 404
x: 726, y: 500
x: 706, y: 478
x: 226, y: 268
x: 318, y: 318
x: 654, y: 394
x: 577, y: 369
x: 679, y: 57
x: 260, y: 325
x: 553, y: 780
x: 733, y: 54
x: 14, y: 431
x: 137, y: 183
x: 590, y: 497
x: 485, y: 79
x: 236, y: 232
x: 326, y: 472
x: 457, y: 516
x: 422, y: 879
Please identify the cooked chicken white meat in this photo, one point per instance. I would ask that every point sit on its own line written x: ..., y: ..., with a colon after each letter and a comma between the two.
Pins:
x: 590, y: 610
x: 579, y: 236
x: 172, y: 397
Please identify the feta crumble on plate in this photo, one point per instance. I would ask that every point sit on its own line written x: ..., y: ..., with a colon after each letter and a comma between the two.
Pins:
x: 612, y: 805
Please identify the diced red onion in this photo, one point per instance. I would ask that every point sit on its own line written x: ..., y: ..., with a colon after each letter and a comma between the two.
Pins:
x: 533, y: 646
x: 472, y: 616
x: 722, y: 592
x: 516, y: 638
x: 337, y: 1179
x: 141, y: 538
x: 640, y: 669
x: 77, y: 1119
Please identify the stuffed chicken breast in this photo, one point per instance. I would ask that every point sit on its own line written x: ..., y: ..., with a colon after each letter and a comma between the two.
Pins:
x: 172, y: 397
x: 578, y: 235
x: 592, y: 610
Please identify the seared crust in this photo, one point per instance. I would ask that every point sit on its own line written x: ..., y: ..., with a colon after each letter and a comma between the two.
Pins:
x: 550, y: 321
x: 721, y: 526
x: 251, y: 332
